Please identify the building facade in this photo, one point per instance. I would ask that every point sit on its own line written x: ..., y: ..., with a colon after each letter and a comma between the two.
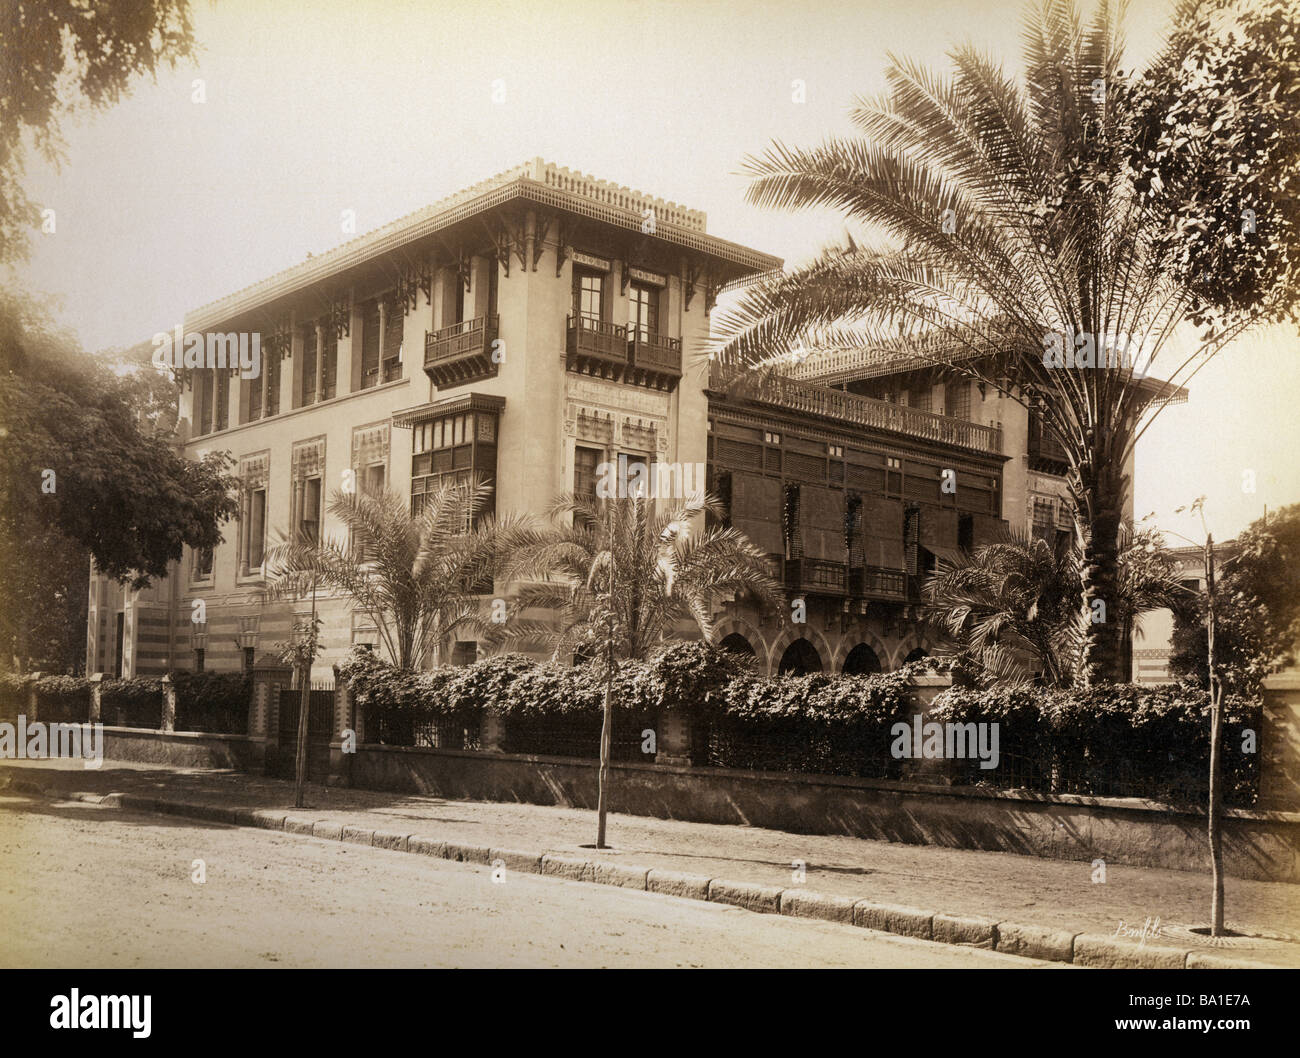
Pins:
x: 530, y: 329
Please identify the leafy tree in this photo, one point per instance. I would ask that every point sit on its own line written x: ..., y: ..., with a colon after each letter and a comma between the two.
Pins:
x: 1011, y: 607
x: 102, y: 47
x: 1025, y: 221
x: 1257, y: 609
x: 81, y: 468
x: 417, y: 576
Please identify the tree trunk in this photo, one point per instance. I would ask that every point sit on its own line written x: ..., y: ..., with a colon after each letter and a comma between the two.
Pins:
x: 300, y: 760
x: 1098, y: 506
x: 606, y: 747
x: 1216, y: 754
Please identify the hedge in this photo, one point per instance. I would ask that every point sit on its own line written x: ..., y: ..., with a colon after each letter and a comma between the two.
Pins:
x: 1112, y: 740
x: 1122, y: 740
x: 212, y: 701
x: 205, y: 701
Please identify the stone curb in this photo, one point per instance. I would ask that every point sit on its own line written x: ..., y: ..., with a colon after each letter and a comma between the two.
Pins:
x: 1011, y: 938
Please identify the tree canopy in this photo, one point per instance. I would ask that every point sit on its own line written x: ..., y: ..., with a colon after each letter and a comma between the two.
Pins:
x: 88, y: 466
x: 99, y: 48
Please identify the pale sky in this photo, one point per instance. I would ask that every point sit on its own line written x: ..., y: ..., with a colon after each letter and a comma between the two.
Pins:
x: 383, y: 106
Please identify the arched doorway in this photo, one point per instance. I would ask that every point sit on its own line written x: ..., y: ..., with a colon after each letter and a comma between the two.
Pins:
x: 799, y: 659
x: 862, y: 661
x: 738, y: 644
x: 916, y: 655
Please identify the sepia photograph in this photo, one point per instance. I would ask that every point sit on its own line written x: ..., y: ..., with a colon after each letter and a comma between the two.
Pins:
x: 649, y: 484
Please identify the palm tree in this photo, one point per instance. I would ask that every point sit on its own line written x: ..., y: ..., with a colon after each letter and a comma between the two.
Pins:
x: 1011, y: 608
x: 1016, y: 233
x: 620, y: 575
x: 418, y: 577
x: 664, y: 573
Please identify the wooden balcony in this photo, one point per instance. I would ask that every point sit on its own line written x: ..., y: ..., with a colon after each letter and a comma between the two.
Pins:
x: 461, y: 352
x: 594, y: 347
x: 816, y: 576
x: 826, y: 402
x: 876, y: 582
x: 654, y: 360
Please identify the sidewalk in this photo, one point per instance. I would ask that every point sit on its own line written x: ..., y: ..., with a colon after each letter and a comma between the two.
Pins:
x: 1058, y: 897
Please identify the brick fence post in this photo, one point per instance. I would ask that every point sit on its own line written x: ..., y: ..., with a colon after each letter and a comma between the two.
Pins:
x: 168, y: 704
x: 33, y: 702
x: 673, y: 737
x: 96, y: 696
x: 340, y: 773
x: 1279, y: 744
x: 493, y: 732
x: 269, y: 676
x: 924, y: 690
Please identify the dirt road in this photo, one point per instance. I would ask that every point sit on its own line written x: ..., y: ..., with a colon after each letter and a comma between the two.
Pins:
x: 86, y: 886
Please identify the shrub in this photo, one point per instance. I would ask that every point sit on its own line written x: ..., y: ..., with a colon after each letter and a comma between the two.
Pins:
x: 1111, y: 740
x: 134, y: 702
x: 212, y: 701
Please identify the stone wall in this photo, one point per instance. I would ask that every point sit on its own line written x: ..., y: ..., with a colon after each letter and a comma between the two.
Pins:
x: 1257, y: 845
x: 179, y: 749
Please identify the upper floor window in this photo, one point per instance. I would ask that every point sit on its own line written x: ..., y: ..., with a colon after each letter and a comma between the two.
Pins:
x: 203, y: 563
x: 393, y: 332
x: 589, y: 296
x: 1044, y: 522
x: 957, y: 400
x: 309, y: 515
x: 642, y: 312
x: 585, y: 461
x: 255, y: 538
x: 911, y: 538
x: 307, y: 393
x: 966, y: 532
x: 370, y: 344
x: 203, y: 398
x: 329, y: 363
x: 222, y: 411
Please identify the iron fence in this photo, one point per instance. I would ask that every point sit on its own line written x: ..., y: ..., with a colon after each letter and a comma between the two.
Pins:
x: 579, y: 736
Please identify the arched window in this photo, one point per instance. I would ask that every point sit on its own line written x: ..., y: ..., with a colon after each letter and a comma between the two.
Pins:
x: 916, y: 655
x: 862, y: 661
x: 799, y: 659
x: 738, y: 644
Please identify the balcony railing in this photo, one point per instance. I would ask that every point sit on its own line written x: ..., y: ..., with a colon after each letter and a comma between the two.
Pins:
x: 816, y: 575
x: 876, y: 582
x: 460, y: 352
x: 459, y: 339
x: 823, y: 401
x: 653, y: 352
x: 597, y: 340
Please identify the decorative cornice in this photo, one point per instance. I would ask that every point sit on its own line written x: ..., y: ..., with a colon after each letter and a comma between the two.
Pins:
x: 486, y: 402
x: 538, y: 182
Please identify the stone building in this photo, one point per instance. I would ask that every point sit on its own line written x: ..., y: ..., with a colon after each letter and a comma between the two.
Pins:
x: 530, y: 329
